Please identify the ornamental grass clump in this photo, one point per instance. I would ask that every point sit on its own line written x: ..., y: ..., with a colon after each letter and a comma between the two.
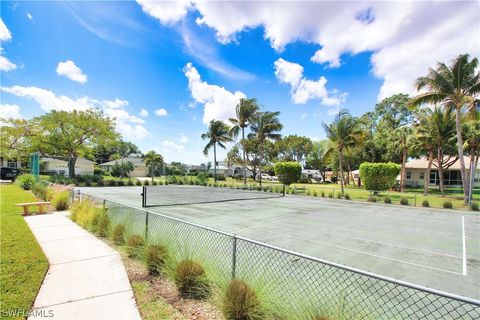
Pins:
x: 387, y: 200
x: 372, y: 199
x: 330, y: 194
x: 191, y: 280
x: 61, y: 201
x: 339, y: 195
x: 103, y: 226
x: 25, y: 181
x: 135, y: 245
x: 425, y: 203
x: 474, y: 206
x: 118, y: 234
x: 241, y: 302
x: 156, y: 257
x: 347, y: 196
x: 404, y: 201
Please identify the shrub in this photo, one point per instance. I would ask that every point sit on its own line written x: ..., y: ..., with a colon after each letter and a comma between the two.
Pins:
x: 84, y: 213
x: 379, y: 176
x: 134, y: 245
x: 88, y: 183
x: 372, y: 199
x: 221, y: 177
x: 25, y: 181
x: 138, y: 183
x: 112, y: 183
x: 39, y: 189
x: 156, y: 257
x: 339, y: 195
x: 323, y: 194
x: 120, y: 183
x: 191, y: 279
x: 61, y: 201
x: 387, y: 200
x: 425, y: 203
x: 347, y: 196
x: 330, y: 194
x: 241, y: 302
x: 118, y: 234
x: 288, y: 172
x: 146, y: 182
x: 103, y: 224
x: 130, y: 183
x: 404, y: 201
x: 315, y: 194
x: 474, y: 206
x: 447, y: 205
x: 100, y: 183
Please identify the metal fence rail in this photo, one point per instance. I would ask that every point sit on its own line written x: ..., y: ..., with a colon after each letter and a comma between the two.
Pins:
x: 297, y: 281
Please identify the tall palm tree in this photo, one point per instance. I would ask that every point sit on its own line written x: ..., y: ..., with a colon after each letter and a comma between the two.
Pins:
x: 218, y: 133
x: 244, y: 110
x: 344, y: 133
x: 152, y: 160
x: 265, y: 126
x: 426, y: 141
x: 455, y: 87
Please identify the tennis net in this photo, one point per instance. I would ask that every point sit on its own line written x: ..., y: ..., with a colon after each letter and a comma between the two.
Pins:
x: 183, y: 195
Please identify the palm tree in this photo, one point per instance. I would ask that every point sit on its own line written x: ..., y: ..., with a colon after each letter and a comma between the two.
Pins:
x: 343, y: 133
x: 152, y: 159
x: 426, y: 140
x: 265, y: 126
x: 455, y: 87
x: 218, y: 133
x: 244, y: 110
x: 471, y: 132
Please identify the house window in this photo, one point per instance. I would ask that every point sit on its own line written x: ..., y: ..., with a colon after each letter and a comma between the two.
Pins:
x: 409, y: 175
x: 422, y: 175
x: 12, y: 164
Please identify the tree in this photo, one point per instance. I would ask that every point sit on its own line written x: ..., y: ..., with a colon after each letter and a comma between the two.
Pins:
x: 257, y: 151
x: 152, y: 160
x: 265, y: 126
x: 317, y: 159
x: 121, y: 169
x: 233, y: 157
x: 401, y: 140
x: 471, y: 133
x: 218, y: 133
x: 343, y: 133
x: 16, y: 138
x: 426, y: 141
x: 73, y: 134
x: 454, y: 87
x: 294, y: 148
x: 288, y: 172
x: 115, y: 150
x: 244, y: 110
x: 379, y: 176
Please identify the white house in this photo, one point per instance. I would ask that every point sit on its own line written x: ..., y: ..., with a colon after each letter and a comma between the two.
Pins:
x: 139, y: 167
x: 11, y: 163
x: 59, y: 166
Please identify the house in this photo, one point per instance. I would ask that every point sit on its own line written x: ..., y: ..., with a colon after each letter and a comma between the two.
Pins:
x: 139, y: 167
x: 11, y: 163
x: 50, y: 165
x: 221, y: 170
x: 311, y: 174
x: 416, y: 170
x: 194, y: 169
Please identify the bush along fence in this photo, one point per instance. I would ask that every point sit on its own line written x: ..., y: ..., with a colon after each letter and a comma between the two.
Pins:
x: 296, y: 286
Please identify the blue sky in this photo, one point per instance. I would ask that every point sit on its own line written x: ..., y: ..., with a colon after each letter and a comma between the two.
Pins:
x: 184, y: 63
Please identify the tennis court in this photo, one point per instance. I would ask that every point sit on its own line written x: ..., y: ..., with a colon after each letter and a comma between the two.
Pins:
x: 430, y: 247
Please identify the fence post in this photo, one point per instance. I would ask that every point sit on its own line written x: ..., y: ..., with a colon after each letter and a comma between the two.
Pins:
x: 284, y: 190
x: 415, y: 200
x: 234, y: 256
x: 144, y: 195
x: 104, y: 205
x: 146, y: 226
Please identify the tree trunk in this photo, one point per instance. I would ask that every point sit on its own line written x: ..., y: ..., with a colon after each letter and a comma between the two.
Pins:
x: 460, y: 154
x: 426, y: 180
x: 215, y: 162
x: 340, y: 165
x: 260, y: 164
x: 472, y: 174
x: 440, y: 171
x: 404, y: 170
x: 71, y: 166
x: 244, y: 158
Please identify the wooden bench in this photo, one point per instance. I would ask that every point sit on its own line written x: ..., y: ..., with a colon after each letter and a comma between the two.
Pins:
x: 26, y: 206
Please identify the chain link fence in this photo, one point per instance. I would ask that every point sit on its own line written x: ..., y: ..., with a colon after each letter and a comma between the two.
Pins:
x: 298, y: 282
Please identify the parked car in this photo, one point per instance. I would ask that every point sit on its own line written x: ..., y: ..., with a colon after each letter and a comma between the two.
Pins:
x: 7, y: 173
x: 266, y: 176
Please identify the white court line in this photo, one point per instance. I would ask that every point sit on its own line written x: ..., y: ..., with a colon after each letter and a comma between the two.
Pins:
x: 464, y: 247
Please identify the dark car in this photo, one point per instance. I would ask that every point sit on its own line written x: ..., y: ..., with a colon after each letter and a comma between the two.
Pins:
x: 9, y: 173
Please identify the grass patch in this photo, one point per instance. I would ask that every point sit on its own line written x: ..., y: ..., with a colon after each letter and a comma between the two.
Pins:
x: 23, y: 264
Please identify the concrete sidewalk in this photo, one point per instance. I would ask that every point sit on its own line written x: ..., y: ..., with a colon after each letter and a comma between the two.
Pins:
x: 86, y: 278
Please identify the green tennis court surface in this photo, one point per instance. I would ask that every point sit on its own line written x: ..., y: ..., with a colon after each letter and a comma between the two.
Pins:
x: 430, y: 247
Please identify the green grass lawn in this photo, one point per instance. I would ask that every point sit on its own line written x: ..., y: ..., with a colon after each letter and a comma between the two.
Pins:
x: 23, y: 264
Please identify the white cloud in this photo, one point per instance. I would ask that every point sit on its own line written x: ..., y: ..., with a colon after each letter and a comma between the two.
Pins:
x: 172, y: 146
x: 10, y: 111
x: 144, y: 113
x: 406, y: 37
x: 71, y: 71
x: 183, y: 139
x: 5, y: 35
x: 302, y: 89
x: 161, y: 112
x: 168, y: 12
x: 130, y: 126
x: 29, y: 16
x: 219, y: 103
